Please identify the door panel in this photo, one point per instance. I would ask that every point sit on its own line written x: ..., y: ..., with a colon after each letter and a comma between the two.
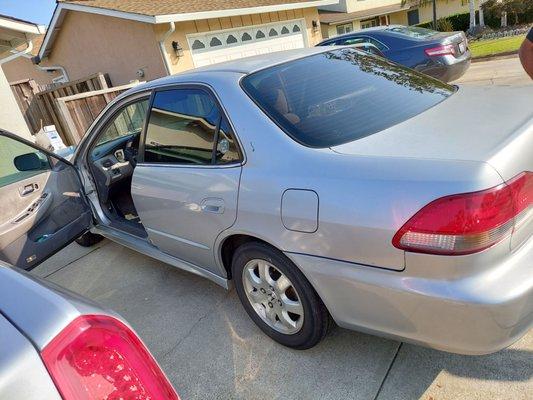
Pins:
x: 41, y: 206
x: 184, y: 209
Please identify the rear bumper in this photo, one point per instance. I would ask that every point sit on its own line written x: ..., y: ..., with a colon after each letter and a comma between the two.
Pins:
x: 448, y: 68
x: 476, y: 314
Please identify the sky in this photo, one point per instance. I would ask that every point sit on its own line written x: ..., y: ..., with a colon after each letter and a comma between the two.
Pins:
x: 38, y: 11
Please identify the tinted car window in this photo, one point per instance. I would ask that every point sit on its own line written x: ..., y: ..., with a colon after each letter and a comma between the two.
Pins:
x: 356, y: 40
x: 413, y: 31
x: 182, y: 127
x: 341, y: 95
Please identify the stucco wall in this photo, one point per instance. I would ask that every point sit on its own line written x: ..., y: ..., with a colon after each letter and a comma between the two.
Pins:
x: 90, y: 43
x: 22, y: 68
x: 11, y: 118
x: 184, y: 28
x: 444, y: 8
x: 398, y: 18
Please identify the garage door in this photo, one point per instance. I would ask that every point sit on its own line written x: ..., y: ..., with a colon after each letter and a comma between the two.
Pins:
x: 218, y: 46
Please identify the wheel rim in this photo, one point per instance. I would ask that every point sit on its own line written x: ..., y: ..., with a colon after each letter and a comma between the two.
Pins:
x: 273, y: 296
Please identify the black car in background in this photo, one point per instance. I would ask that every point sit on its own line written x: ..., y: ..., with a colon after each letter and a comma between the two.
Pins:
x: 443, y: 55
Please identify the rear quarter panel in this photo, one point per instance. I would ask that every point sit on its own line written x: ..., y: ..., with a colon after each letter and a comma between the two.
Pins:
x: 363, y: 200
x: 22, y: 373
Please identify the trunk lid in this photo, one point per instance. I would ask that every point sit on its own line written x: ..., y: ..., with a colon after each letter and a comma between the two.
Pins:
x: 488, y: 124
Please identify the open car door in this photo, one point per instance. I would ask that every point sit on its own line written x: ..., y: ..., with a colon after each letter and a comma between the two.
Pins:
x: 42, y: 205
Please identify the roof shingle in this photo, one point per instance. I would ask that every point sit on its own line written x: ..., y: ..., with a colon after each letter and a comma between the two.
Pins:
x: 164, y: 7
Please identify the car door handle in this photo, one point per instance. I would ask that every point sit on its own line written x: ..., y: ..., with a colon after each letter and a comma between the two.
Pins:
x: 27, y: 189
x: 212, y: 205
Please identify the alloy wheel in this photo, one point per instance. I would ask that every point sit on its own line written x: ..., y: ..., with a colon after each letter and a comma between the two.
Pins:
x: 273, y: 296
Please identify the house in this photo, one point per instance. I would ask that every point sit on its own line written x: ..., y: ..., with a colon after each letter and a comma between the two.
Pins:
x: 352, y: 15
x: 14, y: 35
x: 22, y: 68
x: 131, y: 39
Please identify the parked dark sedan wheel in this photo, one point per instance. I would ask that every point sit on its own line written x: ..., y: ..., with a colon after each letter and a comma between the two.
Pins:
x: 89, y: 239
x: 277, y: 296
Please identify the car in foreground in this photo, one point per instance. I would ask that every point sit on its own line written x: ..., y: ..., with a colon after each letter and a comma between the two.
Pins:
x: 442, y: 55
x: 56, y: 345
x: 319, y: 182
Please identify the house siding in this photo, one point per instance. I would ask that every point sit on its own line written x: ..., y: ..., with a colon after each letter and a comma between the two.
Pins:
x: 91, y: 43
x: 183, y: 29
x: 445, y: 8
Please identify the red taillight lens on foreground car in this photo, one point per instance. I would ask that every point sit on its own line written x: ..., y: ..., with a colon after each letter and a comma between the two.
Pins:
x: 469, y: 222
x: 443, y: 50
x: 98, y: 357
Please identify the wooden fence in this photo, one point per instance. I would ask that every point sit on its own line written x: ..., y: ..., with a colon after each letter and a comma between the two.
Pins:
x: 77, y: 112
x: 38, y: 103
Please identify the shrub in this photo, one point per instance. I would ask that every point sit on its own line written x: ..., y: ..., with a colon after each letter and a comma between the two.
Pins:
x: 518, y: 12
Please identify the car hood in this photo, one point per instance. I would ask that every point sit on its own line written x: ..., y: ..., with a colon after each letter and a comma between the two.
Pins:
x: 486, y: 124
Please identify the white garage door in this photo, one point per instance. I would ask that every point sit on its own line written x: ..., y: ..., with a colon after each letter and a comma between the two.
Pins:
x: 217, y: 46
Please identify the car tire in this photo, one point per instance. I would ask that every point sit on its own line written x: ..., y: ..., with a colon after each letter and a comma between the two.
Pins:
x: 316, y: 320
x: 89, y: 239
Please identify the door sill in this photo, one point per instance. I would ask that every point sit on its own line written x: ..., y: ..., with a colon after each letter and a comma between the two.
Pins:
x: 142, y: 245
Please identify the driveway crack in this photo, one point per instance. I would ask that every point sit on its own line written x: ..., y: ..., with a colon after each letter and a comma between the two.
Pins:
x: 192, y: 328
x: 388, y: 371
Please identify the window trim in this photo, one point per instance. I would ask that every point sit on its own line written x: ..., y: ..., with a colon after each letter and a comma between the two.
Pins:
x: 103, y: 120
x: 223, y: 114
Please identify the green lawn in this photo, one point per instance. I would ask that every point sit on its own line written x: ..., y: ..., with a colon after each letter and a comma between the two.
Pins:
x: 483, y: 48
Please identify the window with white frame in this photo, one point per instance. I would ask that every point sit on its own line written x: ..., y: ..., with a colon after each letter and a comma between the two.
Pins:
x: 344, y: 28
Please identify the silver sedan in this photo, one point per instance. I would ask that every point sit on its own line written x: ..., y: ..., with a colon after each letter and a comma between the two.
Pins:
x: 324, y: 184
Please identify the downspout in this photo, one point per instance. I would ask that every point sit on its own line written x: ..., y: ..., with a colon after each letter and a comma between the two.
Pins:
x: 164, y: 54
x: 55, y: 68
x: 18, y: 54
x: 48, y: 68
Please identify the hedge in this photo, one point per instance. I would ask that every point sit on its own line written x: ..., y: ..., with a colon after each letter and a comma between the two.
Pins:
x: 461, y: 22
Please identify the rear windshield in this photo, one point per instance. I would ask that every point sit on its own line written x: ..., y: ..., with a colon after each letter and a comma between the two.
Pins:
x: 341, y: 95
x: 413, y: 31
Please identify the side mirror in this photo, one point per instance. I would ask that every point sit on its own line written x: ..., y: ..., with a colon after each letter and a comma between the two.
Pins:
x: 28, y: 162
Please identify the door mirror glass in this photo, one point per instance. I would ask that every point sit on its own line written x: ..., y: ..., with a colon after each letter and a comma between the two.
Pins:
x: 19, y: 161
x: 30, y: 162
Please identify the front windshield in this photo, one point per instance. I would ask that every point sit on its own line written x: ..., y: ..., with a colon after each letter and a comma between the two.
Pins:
x: 341, y: 95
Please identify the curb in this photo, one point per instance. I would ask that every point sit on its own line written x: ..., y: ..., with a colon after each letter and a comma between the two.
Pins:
x: 507, y: 54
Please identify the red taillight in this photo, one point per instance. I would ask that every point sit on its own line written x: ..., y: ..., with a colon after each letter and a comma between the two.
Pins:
x: 444, y: 50
x: 469, y: 222
x: 98, y: 357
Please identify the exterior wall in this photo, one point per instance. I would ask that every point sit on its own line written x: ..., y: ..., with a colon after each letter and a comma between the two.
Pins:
x: 11, y: 118
x: 398, y: 18
x: 341, y: 6
x: 359, y: 5
x: 22, y: 68
x: 91, y: 43
x: 185, y: 62
x: 445, y: 8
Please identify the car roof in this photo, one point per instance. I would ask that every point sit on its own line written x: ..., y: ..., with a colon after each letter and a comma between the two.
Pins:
x: 241, y: 66
x: 375, y: 29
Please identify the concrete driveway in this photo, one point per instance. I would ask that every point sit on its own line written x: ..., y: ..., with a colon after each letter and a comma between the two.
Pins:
x: 210, y: 349
x: 505, y: 70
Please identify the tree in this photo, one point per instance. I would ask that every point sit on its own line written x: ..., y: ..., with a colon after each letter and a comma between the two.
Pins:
x: 472, y: 15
